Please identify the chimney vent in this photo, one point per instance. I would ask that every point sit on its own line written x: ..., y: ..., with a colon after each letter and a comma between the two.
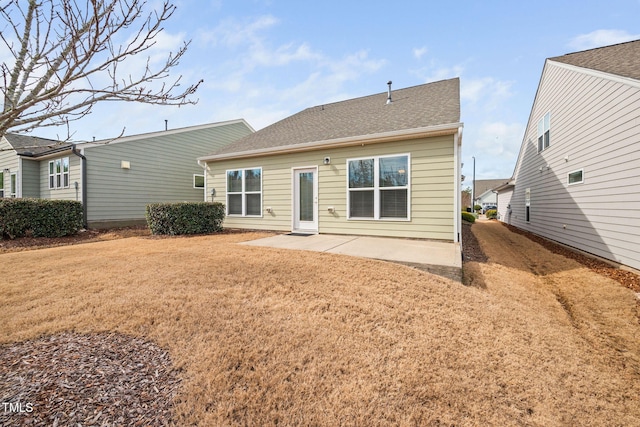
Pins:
x: 389, y: 92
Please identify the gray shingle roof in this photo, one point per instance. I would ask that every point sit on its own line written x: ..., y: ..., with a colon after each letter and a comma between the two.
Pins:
x: 621, y: 59
x: 34, y: 146
x: 415, y: 107
x: 484, y: 185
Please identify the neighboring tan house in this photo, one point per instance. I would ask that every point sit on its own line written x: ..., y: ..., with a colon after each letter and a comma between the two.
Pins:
x: 485, y: 192
x: 577, y: 177
x: 384, y: 165
x: 115, y: 179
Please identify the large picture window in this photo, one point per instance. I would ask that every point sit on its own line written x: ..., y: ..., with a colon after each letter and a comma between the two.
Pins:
x: 59, y: 173
x: 244, y: 192
x: 378, y: 187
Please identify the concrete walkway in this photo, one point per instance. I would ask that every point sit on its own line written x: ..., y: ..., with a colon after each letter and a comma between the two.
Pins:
x: 440, y: 258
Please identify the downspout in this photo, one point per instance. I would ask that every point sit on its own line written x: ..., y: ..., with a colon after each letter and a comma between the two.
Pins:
x: 457, y: 209
x: 75, y: 151
x: 204, y: 168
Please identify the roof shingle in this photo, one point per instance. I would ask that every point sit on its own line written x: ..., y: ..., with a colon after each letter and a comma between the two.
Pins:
x: 415, y: 107
x: 621, y: 59
x: 26, y: 145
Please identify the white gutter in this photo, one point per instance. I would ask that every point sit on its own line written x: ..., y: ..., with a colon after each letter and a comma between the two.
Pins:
x: 446, y: 129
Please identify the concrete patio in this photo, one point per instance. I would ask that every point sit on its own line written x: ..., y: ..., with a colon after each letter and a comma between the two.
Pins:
x: 442, y: 258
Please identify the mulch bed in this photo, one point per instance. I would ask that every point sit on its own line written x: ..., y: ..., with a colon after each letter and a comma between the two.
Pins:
x: 86, y: 379
x: 471, y: 250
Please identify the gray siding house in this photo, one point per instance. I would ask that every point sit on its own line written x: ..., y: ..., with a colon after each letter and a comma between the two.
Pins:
x: 115, y: 179
x: 381, y: 165
x: 577, y: 177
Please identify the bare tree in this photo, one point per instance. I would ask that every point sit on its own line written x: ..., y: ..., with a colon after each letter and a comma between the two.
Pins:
x: 63, y: 58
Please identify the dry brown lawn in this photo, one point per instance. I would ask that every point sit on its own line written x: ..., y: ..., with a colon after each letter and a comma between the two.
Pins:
x: 264, y: 336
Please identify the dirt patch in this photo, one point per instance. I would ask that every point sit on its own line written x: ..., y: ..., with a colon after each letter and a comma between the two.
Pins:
x: 626, y: 278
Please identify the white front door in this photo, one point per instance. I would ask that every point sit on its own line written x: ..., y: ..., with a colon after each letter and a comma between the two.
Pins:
x: 305, y: 200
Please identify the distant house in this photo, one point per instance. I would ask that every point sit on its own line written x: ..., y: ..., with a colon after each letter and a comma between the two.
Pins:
x: 384, y: 165
x: 486, y: 195
x: 114, y: 179
x: 577, y: 177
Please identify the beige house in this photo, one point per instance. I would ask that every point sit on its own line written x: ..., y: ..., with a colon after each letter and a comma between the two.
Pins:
x: 577, y: 178
x: 381, y: 165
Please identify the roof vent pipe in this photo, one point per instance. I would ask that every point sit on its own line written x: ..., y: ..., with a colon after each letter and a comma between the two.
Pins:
x: 166, y: 124
x: 389, y: 92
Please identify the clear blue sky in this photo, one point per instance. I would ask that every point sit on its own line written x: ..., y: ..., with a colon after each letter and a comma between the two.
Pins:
x: 263, y: 60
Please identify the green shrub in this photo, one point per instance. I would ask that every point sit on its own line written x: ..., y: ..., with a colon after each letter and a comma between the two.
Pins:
x: 491, y: 214
x: 56, y: 218
x: 469, y: 217
x: 44, y: 218
x: 477, y: 208
x: 185, y: 218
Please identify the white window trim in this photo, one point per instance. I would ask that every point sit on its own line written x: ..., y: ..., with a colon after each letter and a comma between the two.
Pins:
x: 544, y: 130
x: 53, y: 177
x: 527, y: 204
x: 13, y: 182
x: 577, y: 182
x: 243, y: 192
x: 376, y: 188
x: 203, y: 181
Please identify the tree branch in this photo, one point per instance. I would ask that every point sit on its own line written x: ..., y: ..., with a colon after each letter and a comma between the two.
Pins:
x: 67, y: 60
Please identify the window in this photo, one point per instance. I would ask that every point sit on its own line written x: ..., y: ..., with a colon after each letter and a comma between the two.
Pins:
x: 378, y: 187
x: 527, y: 204
x: 244, y: 192
x: 544, y: 126
x: 59, y: 173
x: 198, y: 181
x: 1, y: 184
x: 13, y: 190
x: 575, y: 177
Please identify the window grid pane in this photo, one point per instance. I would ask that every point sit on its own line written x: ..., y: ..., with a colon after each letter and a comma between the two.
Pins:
x: 234, y: 204
x: 393, y: 171
x: 361, y: 204
x: 393, y: 203
x: 253, y: 204
x: 252, y: 180
x: 234, y: 181
x: 361, y: 173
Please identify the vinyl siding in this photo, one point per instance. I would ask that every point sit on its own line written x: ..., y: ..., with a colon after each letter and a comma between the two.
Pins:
x: 595, y: 127
x: 8, y: 160
x: 30, y: 178
x: 75, y: 175
x: 504, y: 205
x: 432, y: 189
x: 162, y: 169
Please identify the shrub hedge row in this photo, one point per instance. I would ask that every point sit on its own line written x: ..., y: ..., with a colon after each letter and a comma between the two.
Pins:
x: 185, y: 218
x: 43, y: 218
x: 469, y: 217
x: 491, y: 214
